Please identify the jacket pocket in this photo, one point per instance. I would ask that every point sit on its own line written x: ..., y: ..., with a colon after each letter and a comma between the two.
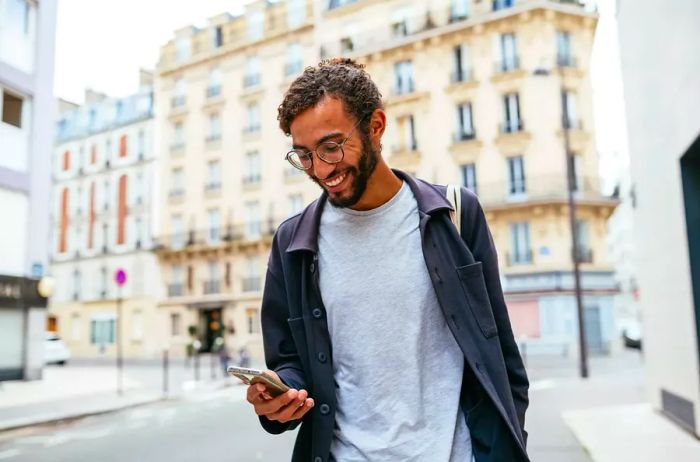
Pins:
x: 472, y: 279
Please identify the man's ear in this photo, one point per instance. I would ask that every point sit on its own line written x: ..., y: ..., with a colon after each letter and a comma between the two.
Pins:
x: 377, y: 125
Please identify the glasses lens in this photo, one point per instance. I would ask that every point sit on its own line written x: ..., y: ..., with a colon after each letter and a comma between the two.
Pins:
x: 330, y: 151
x: 299, y: 159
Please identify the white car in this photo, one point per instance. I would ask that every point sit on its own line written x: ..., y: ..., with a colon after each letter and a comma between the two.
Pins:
x: 55, y: 351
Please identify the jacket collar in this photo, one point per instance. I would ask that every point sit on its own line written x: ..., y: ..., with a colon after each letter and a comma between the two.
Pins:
x: 305, y: 234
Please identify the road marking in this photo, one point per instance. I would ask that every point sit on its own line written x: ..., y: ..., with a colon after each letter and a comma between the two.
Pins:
x: 10, y: 453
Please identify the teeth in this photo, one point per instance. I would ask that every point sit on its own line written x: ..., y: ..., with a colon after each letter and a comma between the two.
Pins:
x: 336, y: 182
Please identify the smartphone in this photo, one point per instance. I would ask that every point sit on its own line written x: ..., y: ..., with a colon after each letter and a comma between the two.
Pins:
x: 252, y: 376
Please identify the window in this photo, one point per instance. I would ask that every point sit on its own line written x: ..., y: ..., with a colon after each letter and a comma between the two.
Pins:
x: 214, y: 87
x: 12, y: 108
x: 123, y: 145
x: 175, y: 288
x: 296, y: 204
x: 253, y: 222
x: 506, y: 52
x: 213, y: 284
x: 105, y: 237
x: 406, y: 134
x: 337, y: 3
x: 103, y: 282
x: 469, y: 177
x: 465, y: 127
x: 459, y: 10
x: 462, y: 63
x: 175, y: 324
x: 575, y: 172
x: 399, y: 23
x: 214, y: 127
x: 516, y: 176
x: 253, y: 319
x: 141, y: 144
x: 121, y: 210
x: 93, y: 154
x: 91, y: 215
x: 108, y: 150
x: 177, y: 227
x: 403, y: 77
x: 564, y: 57
x: 520, y: 252
x: 182, y: 49
x: 178, y: 135
x: 296, y: 13
x: 252, y: 72
x: 213, y: 175
x: 65, y: 212
x: 568, y: 105
x: 102, y: 329
x: 76, y: 284
x: 251, y: 282
x: 217, y: 37
x: 177, y: 181
x: 18, y: 16
x: 66, y: 161
x: 255, y: 25
x: 253, y: 168
x: 584, y: 254
x: 294, y: 59
x: 511, y: 108
x: 502, y: 4
x: 214, y: 221
x: 179, y: 93
x: 138, y: 231
x: 253, y: 113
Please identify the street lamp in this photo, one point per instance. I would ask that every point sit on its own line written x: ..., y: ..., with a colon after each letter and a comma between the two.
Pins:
x: 570, y: 181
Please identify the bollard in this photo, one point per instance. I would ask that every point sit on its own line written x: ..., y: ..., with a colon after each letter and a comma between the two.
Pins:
x: 196, y: 366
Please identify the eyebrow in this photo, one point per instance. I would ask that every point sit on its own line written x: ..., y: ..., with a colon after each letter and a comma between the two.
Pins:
x: 321, y: 140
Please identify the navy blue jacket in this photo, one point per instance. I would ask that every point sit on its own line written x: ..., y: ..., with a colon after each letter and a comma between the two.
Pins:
x: 464, y: 273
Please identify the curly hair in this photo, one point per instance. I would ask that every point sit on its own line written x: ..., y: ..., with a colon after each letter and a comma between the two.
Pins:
x: 341, y: 78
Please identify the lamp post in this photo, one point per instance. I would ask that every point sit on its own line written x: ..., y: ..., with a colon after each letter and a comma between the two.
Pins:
x: 570, y: 182
x: 120, y: 279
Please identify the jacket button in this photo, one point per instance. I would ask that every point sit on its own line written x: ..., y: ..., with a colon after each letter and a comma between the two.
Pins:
x: 325, y: 409
x: 322, y: 357
x: 312, y: 267
x: 317, y: 313
x: 318, y: 459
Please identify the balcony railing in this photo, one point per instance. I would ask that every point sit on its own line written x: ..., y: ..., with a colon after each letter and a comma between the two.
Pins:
x: 176, y: 290
x: 177, y: 101
x: 252, y: 284
x: 213, y: 137
x: 566, y: 61
x: 404, y: 89
x: 250, y: 129
x: 253, y: 179
x: 585, y: 255
x: 251, y: 80
x: 177, y: 146
x: 213, y: 91
x: 463, y: 135
x: 509, y: 65
x: 512, y: 126
x: 175, y: 194
x: 212, y: 286
x: 571, y: 124
x: 212, y: 187
x: 519, y: 258
x: 462, y: 75
x: 538, y: 188
x: 233, y: 233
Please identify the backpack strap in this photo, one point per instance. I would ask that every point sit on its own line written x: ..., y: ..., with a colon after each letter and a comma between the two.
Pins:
x: 455, y: 197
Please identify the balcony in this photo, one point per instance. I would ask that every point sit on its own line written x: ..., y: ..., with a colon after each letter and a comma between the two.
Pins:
x: 584, y: 255
x: 177, y: 147
x: 252, y: 180
x: 508, y: 65
x: 251, y: 80
x: 252, y: 284
x: 212, y: 286
x: 519, y: 258
x: 251, y: 130
x: 176, y: 290
x: 462, y: 75
x: 564, y: 60
x: 464, y: 135
x: 404, y: 88
x: 212, y: 187
x: 239, y: 233
x: 213, y: 139
x: 176, y: 195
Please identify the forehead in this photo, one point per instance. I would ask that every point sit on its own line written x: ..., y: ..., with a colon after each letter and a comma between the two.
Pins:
x: 327, y: 116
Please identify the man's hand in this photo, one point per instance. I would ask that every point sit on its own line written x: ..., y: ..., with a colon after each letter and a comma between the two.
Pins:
x: 292, y: 405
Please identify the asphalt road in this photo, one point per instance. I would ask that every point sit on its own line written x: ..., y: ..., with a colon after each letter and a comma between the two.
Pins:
x: 218, y: 426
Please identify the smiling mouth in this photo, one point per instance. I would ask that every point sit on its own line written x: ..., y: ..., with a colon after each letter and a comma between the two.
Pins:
x: 336, y: 181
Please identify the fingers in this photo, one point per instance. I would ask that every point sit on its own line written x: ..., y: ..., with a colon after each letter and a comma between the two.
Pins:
x: 293, y: 410
x: 291, y: 405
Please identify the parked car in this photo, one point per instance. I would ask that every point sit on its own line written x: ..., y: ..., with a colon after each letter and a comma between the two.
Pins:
x: 55, y: 351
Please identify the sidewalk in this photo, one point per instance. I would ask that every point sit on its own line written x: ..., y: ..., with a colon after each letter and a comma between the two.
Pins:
x: 88, y: 387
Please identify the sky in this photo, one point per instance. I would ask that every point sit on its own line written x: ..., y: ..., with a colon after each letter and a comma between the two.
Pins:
x: 102, y: 44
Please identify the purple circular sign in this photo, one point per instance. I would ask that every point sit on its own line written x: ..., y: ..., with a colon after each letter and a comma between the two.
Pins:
x: 120, y: 277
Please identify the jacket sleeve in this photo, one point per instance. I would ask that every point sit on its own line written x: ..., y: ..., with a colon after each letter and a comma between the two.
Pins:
x: 481, y: 244
x: 281, y: 354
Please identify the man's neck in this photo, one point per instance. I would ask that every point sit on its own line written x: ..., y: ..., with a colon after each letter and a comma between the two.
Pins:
x: 382, y: 185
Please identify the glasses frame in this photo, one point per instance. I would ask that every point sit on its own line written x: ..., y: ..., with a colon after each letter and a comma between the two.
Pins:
x: 311, y: 152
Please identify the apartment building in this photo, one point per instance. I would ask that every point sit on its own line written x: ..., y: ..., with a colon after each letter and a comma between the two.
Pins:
x: 104, y: 174
x: 478, y: 93
x: 27, y: 30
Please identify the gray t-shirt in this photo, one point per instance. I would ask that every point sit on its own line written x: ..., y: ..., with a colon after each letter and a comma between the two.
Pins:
x: 397, y: 367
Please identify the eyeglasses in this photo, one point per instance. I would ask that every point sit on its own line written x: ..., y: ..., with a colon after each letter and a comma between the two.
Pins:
x: 329, y: 151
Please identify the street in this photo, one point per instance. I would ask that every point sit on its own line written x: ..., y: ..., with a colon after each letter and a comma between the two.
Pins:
x: 219, y: 424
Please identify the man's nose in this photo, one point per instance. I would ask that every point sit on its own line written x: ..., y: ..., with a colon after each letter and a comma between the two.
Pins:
x: 322, y: 170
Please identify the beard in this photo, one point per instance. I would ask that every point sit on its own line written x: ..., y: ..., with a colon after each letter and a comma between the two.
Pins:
x: 360, y: 175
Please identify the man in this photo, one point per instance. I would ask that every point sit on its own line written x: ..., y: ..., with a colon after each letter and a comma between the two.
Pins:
x: 389, y: 326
